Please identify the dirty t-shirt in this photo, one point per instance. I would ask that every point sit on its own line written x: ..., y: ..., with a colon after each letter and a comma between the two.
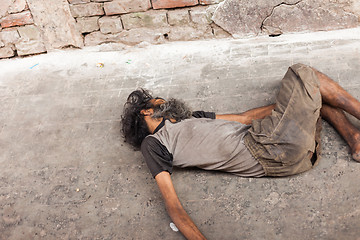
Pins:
x: 203, y: 142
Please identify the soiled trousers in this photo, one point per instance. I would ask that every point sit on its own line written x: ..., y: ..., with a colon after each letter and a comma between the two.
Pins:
x: 288, y: 141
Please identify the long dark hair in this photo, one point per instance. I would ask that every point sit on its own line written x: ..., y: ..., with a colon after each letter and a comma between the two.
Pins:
x: 134, y: 127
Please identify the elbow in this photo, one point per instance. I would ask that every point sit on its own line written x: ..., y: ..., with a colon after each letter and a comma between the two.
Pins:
x: 247, y: 120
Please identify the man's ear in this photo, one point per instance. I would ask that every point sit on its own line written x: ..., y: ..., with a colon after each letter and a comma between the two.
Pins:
x: 147, y: 112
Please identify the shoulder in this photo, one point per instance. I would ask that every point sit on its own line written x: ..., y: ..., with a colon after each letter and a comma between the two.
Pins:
x: 149, y: 141
x: 152, y: 145
x: 156, y: 156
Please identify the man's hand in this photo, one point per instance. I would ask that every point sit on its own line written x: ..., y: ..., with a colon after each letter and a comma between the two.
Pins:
x: 174, y: 208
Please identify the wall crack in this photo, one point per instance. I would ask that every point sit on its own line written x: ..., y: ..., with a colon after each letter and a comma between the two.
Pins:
x: 275, y: 32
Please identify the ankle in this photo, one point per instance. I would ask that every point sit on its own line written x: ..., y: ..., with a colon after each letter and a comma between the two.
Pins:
x: 355, y: 143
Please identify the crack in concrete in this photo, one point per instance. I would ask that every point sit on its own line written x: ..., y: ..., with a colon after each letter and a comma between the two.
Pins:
x: 273, y: 9
x: 167, y: 18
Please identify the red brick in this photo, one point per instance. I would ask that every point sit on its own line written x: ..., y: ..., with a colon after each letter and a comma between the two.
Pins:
x: 173, y: 3
x: 18, y: 19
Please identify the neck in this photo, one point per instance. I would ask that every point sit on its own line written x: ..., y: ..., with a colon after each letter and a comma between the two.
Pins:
x: 152, y: 123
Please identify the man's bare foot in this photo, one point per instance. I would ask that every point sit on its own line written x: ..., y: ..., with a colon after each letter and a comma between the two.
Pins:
x: 355, y: 149
x: 356, y: 156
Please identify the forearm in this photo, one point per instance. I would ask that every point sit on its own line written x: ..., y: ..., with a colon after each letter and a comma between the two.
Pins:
x: 248, y: 116
x: 183, y: 222
x: 174, y: 208
x: 259, y: 113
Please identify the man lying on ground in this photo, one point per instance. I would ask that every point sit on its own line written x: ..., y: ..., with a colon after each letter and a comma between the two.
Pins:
x: 282, y: 139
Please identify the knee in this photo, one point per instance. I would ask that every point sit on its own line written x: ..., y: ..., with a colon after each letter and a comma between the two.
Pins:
x: 298, y: 65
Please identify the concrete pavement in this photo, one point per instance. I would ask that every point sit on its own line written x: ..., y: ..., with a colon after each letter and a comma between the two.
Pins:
x: 66, y: 173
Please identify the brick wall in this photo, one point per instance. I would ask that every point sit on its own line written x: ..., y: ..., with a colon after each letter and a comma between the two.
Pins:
x: 134, y: 21
x: 25, y: 29
x: 18, y: 33
x: 37, y: 26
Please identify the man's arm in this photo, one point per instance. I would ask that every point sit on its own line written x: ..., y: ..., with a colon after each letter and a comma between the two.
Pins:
x: 248, y: 116
x: 174, y: 208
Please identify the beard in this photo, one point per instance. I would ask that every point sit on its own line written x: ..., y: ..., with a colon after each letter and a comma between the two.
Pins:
x: 173, y: 109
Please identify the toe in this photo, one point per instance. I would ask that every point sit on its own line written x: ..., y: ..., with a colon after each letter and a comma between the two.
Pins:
x: 356, y: 156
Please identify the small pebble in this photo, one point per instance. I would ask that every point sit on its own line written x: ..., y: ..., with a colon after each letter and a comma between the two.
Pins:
x: 173, y: 227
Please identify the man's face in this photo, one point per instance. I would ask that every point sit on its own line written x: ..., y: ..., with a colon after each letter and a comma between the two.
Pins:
x: 172, y: 109
x: 155, y: 102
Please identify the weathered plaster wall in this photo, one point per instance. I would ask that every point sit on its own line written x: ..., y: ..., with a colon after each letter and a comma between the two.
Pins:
x: 38, y: 26
x: 248, y: 18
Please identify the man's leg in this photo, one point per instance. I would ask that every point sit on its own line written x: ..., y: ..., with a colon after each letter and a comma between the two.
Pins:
x: 284, y: 141
x: 345, y: 128
x: 334, y: 95
x: 336, y: 99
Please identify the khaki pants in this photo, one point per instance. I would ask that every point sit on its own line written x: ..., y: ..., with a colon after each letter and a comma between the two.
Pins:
x: 285, y: 141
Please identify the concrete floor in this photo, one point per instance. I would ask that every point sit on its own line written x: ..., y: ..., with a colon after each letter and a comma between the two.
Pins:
x: 66, y: 173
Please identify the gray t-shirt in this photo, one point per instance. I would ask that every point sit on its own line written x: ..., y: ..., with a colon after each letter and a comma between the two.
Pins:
x: 210, y: 144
